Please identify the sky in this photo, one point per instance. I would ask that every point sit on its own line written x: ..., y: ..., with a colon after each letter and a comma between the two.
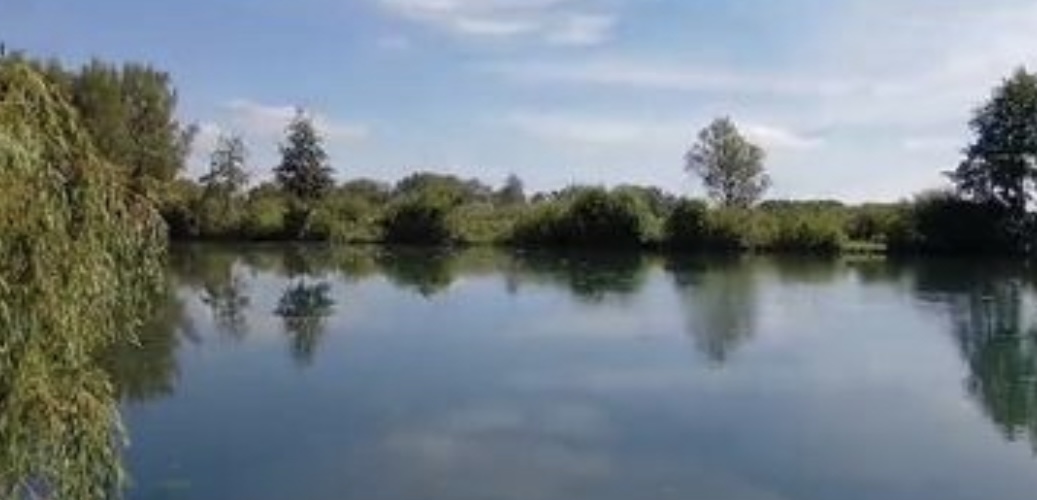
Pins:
x: 852, y: 99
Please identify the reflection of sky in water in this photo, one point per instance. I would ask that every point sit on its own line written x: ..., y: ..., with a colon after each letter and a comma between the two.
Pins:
x: 842, y: 389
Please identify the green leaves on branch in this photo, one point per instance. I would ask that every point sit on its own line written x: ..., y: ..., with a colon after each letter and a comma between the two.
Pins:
x: 80, y: 255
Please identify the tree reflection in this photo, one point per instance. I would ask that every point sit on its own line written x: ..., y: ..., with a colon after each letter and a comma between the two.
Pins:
x: 213, y: 271
x: 304, y: 308
x: 427, y: 271
x: 590, y: 276
x: 228, y: 302
x: 145, y: 368
x: 720, y: 302
x: 991, y: 310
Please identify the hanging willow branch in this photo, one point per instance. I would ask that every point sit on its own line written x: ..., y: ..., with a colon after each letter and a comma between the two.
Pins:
x: 79, y: 258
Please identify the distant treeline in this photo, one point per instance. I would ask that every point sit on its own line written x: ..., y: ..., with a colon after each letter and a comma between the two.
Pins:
x: 130, y: 113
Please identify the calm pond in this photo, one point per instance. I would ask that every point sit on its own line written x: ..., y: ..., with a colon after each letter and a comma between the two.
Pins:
x: 286, y: 372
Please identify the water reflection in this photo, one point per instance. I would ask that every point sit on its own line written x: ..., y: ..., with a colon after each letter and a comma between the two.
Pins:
x: 991, y: 311
x: 304, y: 308
x: 145, y: 368
x: 719, y: 301
x: 591, y: 277
x: 594, y: 308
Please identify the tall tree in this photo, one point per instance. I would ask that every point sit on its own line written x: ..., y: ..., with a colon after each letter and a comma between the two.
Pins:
x: 513, y: 191
x: 304, y: 172
x: 227, y: 172
x: 1000, y: 165
x: 730, y: 166
x: 220, y: 208
x: 130, y: 112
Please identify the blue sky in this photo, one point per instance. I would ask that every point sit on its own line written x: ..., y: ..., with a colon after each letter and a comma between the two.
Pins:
x: 853, y: 99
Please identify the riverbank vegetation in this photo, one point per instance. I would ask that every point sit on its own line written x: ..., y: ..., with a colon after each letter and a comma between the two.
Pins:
x: 80, y: 256
x: 129, y: 112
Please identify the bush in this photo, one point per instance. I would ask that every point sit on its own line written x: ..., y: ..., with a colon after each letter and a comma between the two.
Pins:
x: 803, y: 231
x: 687, y: 226
x: 589, y: 218
x: 940, y: 222
x: 482, y: 223
x: 872, y: 222
x: 265, y: 218
x: 729, y: 230
x: 344, y: 218
x: 418, y: 221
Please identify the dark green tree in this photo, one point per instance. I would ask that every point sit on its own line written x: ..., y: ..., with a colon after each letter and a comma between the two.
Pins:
x: 304, y: 172
x: 1000, y: 165
x: 730, y: 166
x: 513, y: 191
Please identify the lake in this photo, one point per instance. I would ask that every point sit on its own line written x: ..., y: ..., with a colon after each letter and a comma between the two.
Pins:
x: 293, y: 372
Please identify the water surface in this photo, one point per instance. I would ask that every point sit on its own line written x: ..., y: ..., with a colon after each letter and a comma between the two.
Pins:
x: 287, y: 372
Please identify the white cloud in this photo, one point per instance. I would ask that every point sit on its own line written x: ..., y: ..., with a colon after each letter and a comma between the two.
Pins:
x: 269, y: 121
x: 558, y: 22
x: 777, y: 138
x: 647, y: 75
x: 664, y: 135
x: 582, y: 29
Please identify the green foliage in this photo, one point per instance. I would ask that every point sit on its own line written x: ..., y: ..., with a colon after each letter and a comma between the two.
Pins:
x: 418, y: 220
x: 483, y: 223
x: 447, y: 190
x: 1000, y: 166
x: 513, y: 192
x: 803, y: 231
x: 872, y: 222
x: 940, y: 222
x: 687, y: 226
x: 730, y: 166
x: 227, y: 174
x: 304, y: 172
x: 130, y: 114
x: 265, y: 214
x: 79, y: 258
x: 346, y: 218
x: 593, y: 217
x: 729, y: 230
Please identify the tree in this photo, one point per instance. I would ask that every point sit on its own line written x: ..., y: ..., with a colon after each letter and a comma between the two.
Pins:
x: 227, y: 173
x: 1000, y: 166
x: 304, y: 172
x: 130, y: 113
x: 219, y: 211
x: 80, y: 259
x: 730, y: 166
x: 513, y: 192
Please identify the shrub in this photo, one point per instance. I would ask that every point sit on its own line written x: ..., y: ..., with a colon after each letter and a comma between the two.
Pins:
x: 687, y: 226
x: 940, y: 222
x: 590, y: 217
x: 482, y: 223
x: 418, y: 221
x: 803, y: 231
x: 344, y: 218
x: 265, y: 218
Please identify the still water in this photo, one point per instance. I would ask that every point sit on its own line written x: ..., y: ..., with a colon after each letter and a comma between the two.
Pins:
x: 306, y: 373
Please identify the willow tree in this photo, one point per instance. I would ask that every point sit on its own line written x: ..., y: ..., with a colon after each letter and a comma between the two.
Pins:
x: 79, y: 257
